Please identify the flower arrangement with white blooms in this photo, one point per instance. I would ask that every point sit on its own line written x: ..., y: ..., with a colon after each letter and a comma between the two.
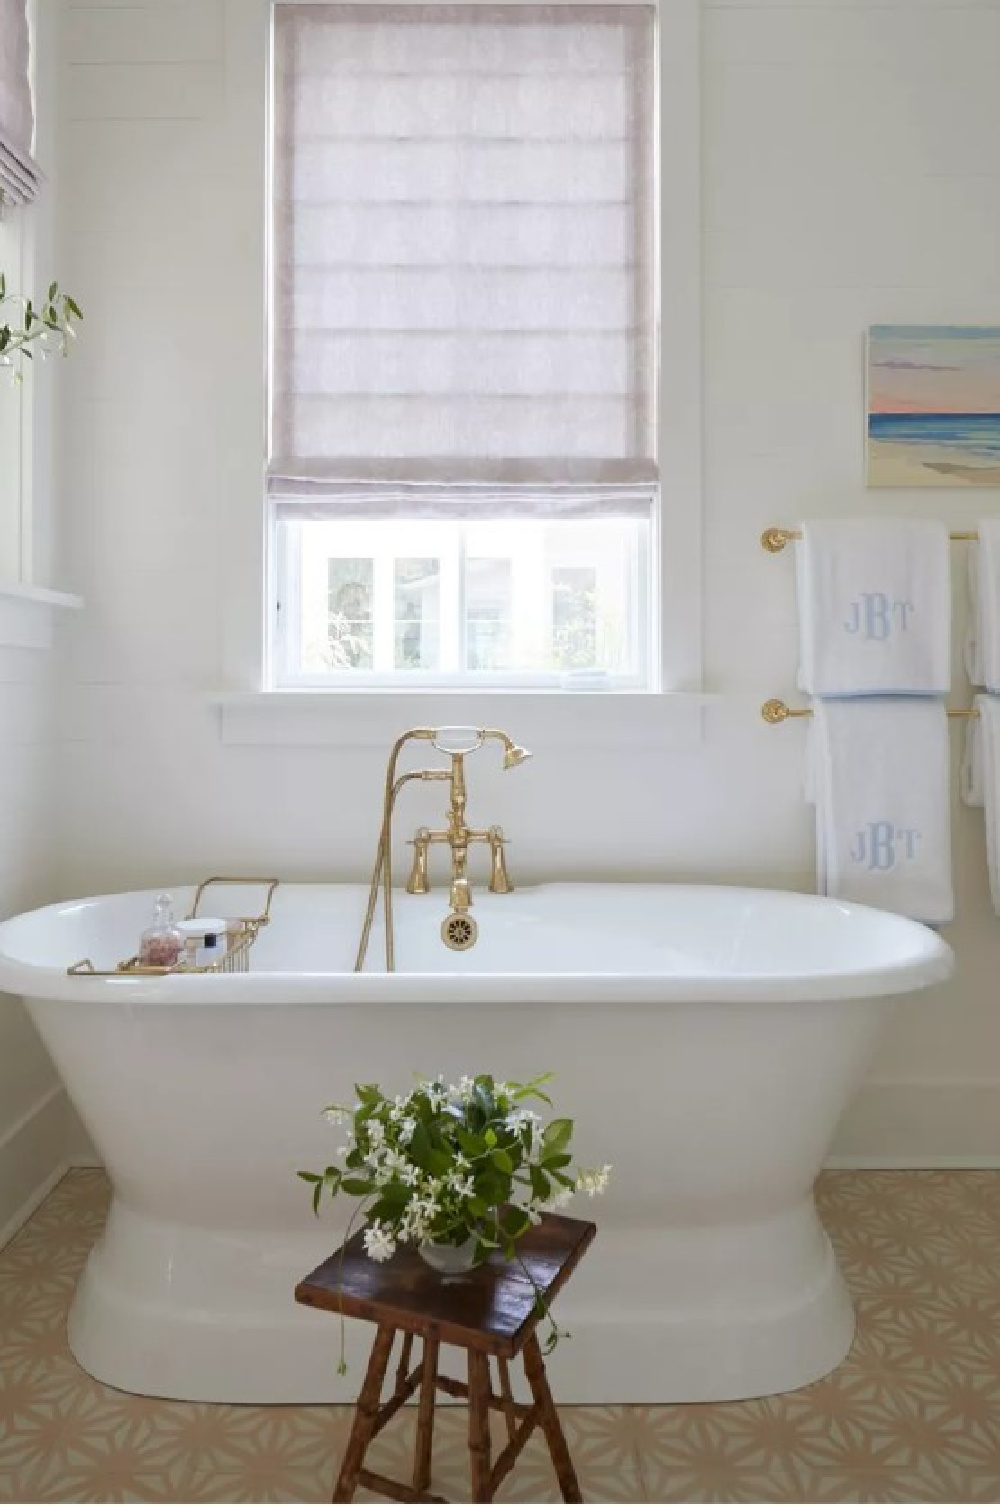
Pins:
x: 451, y: 1164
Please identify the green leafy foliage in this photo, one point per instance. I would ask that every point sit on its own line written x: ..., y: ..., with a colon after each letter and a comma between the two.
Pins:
x: 26, y: 327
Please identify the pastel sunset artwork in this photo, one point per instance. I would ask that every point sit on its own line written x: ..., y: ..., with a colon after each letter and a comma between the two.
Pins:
x: 933, y: 405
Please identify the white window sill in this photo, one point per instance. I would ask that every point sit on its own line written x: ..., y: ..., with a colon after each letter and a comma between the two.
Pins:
x: 26, y: 614
x: 613, y: 720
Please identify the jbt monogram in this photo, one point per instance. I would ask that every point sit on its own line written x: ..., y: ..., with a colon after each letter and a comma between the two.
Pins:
x: 881, y: 846
x: 876, y: 616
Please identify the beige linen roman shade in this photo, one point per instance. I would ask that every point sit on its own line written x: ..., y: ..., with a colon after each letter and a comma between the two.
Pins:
x: 19, y: 176
x: 463, y: 309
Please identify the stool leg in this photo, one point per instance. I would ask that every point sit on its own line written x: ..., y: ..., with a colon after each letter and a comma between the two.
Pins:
x: 479, y: 1425
x: 425, y: 1417
x: 365, y: 1414
x: 507, y: 1395
x: 534, y: 1369
x: 403, y: 1368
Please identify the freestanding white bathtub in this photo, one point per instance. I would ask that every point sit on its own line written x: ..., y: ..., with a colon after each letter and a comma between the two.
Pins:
x: 705, y: 1039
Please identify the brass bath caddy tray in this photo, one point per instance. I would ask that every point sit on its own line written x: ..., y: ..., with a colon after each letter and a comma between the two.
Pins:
x: 243, y: 931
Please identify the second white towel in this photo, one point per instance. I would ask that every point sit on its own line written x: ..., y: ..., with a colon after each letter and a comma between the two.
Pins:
x: 980, y: 781
x: 982, y: 642
x: 879, y: 777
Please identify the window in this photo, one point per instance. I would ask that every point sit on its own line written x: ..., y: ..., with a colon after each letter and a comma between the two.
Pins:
x: 11, y: 419
x: 462, y: 446
x: 19, y: 179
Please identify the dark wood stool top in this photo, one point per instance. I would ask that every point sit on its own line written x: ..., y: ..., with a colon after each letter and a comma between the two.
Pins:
x: 490, y: 1309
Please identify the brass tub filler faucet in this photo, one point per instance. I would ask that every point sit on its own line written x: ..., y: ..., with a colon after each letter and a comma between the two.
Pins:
x: 458, y: 929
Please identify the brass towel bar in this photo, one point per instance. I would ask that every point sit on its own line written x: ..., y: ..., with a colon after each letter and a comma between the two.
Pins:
x: 775, y: 539
x: 774, y: 712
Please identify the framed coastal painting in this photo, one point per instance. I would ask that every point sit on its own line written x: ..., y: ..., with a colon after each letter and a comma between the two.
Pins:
x: 933, y: 405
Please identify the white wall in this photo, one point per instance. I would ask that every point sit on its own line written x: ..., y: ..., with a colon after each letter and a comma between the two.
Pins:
x: 849, y: 178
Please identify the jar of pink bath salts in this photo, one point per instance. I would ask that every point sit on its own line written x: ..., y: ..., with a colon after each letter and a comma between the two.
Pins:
x: 162, y: 944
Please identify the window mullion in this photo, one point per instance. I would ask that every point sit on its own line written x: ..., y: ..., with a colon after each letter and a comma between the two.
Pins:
x: 462, y: 614
x: 287, y: 544
x: 452, y: 597
x: 384, y: 614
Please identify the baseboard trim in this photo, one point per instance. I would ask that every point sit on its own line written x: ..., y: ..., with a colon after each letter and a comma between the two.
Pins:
x: 910, y: 1124
x: 890, y: 1126
x: 912, y: 1163
x: 23, y: 1120
x: 832, y: 1163
x: 17, y: 1221
x: 32, y: 1159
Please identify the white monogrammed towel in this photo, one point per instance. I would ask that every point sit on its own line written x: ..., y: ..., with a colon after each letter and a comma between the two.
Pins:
x: 982, y: 641
x: 980, y: 780
x: 878, y: 775
x: 874, y: 607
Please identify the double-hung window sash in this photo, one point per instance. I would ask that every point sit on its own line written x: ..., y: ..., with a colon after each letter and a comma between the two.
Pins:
x: 463, y: 251
x: 19, y: 176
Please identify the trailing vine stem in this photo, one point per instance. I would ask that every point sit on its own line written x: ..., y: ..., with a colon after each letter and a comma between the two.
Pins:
x: 543, y: 1310
x: 356, y: 1213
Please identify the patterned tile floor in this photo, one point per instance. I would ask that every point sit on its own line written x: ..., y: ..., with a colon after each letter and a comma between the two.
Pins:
x: 913, y: 1414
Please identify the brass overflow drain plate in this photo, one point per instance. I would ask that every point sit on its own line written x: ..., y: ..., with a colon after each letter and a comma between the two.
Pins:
x: 459, y: 932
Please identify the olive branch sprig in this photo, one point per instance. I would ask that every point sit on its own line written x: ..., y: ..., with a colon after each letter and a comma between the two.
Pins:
x: 26, y: 326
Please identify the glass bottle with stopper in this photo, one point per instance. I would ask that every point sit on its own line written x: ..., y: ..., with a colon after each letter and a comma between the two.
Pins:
x: 162, y: 944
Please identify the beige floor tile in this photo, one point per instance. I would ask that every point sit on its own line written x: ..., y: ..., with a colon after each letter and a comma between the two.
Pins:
x: 295, y: 1486
x: 913, y: 1413
x: 733, y: 1452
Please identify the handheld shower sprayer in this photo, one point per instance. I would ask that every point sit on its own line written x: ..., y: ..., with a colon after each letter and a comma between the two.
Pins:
x: 458, y: 741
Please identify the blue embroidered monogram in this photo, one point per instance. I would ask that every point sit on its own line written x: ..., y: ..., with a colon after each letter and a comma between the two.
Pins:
x: 876, y: 616
x: 880, y: 845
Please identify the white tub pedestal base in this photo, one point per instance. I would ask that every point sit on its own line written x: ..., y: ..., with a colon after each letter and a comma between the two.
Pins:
x: 657, y: 1314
